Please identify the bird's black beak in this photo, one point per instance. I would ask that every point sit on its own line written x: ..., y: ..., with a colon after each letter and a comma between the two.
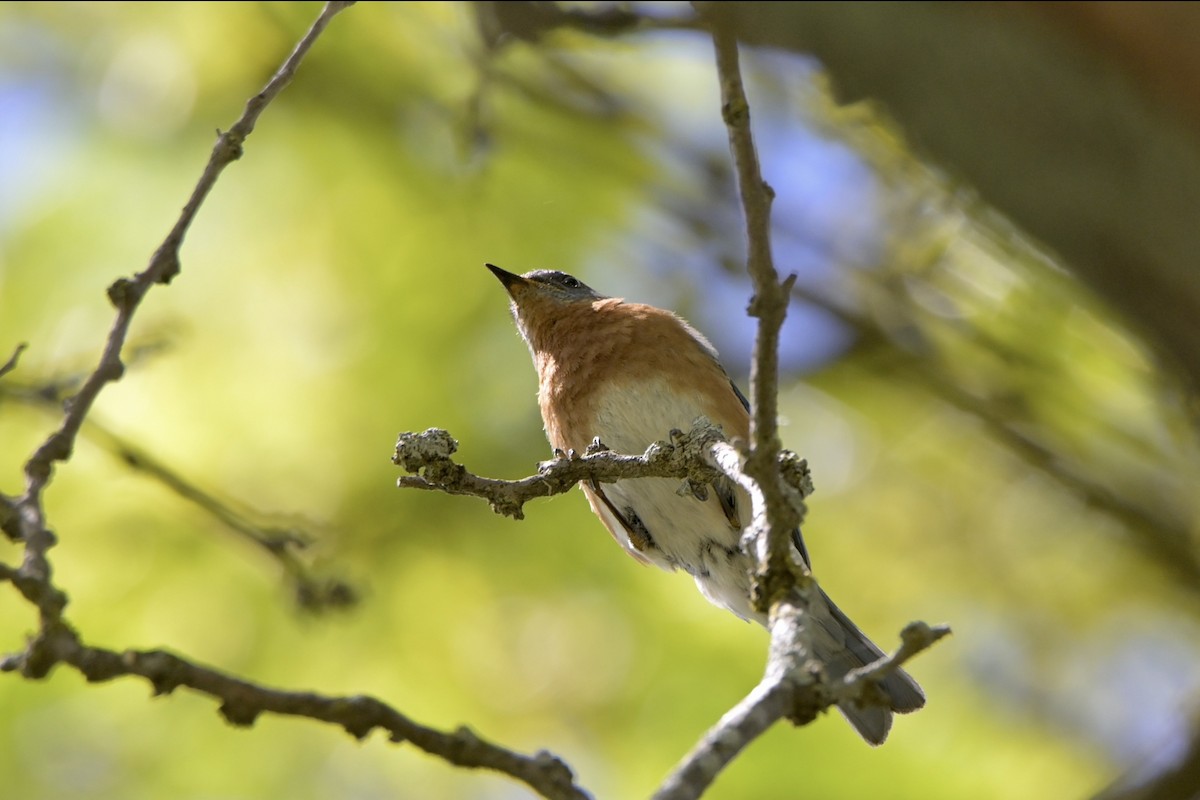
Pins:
x: 509, y: 279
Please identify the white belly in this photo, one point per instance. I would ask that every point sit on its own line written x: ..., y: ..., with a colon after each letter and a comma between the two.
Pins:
x: 684, y: 532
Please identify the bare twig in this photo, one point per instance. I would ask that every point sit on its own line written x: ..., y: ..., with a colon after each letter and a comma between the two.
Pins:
x: 26, y: 520
x: 242, y: 702
x: 127, y: 294
x: 28, y: 517
x: 916, y: 637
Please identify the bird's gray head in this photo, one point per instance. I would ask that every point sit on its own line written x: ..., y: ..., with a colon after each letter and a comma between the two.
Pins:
x: 546, y: 285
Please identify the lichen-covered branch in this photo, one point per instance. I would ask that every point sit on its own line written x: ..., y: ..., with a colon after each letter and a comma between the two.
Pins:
x: 684, y: 455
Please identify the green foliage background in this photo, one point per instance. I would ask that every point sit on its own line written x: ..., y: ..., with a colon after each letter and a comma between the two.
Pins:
x: 333, y: 294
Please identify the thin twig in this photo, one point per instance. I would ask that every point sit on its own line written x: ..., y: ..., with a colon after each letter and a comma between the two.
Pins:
x: 243, y: 702
x: 916, y: 637
x: 127, y: 294
x: 26, y: 521
x: 28, y: 516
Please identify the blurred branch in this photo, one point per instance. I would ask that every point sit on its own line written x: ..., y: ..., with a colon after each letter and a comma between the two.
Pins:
x: 11, y: 364
x: 311, y: 592
x: 529, y: 21
x: 1104, y: 165
x: 1178, y: 781
x: 1163, y: 536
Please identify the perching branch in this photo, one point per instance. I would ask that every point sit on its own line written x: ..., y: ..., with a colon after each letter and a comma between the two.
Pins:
x: 427, y: 456
x: 696, y: 457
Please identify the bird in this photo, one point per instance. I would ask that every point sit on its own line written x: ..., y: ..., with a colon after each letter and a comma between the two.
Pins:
x: 628, y: 373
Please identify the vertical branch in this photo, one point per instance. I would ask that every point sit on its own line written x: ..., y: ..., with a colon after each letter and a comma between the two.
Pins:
x: 769, y: 304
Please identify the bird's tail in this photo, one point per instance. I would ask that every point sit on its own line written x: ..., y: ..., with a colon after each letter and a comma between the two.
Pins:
x: 841, y: 646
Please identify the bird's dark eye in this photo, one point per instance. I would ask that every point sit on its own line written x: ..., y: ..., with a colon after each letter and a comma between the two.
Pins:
x: 570, y: 283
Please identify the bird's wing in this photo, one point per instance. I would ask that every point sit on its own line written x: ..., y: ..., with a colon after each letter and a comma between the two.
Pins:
x: 740, y: 396
x: 729, y: 499
x: 629, y: 533
x: 726, y: 493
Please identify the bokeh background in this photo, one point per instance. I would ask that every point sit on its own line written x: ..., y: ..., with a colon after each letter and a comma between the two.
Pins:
x: 991, y: 447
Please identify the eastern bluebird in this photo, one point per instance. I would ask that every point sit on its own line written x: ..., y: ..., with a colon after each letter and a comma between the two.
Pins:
x: 628, y: 373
